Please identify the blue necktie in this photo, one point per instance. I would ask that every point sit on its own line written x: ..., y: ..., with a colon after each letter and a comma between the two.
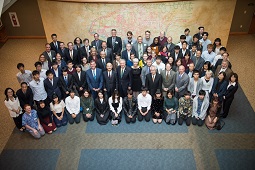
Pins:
x: 94, y: 75
x: 66, y: 80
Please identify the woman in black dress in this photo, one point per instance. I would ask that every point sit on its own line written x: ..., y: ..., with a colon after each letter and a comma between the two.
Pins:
x: 229, y: 94
x: 136, y: 74
x: 115, y: 104
x: 101, y: 109
x: 157, y: 107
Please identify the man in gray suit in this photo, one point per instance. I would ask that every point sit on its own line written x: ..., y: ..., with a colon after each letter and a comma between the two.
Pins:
x: 129, y: 40
x: 97, y: 43
x: 181, y: 82
x: 168, y: 79
x: 145, y: 71
x: 139, y: 47
x: 108, y: 51
x: 49, y: 54
x: 195, y: 84
x: 198, y: 60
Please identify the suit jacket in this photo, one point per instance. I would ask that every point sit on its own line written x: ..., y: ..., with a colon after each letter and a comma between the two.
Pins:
x: 110, y: 84
x: 219, y: 61
x: 109, y: 53
x: 98, y: 45
x: 171, y: 47
x: 83, y: 52
x: 51, y: 89
x: 101, y: 65
x: 53, y: 56
x: 228, y: 72
x: 66, y: 86
x: 26, y: 98
x: 124, y: 54
x: 101, y: 108
x: 118, y: 44
x: 145, y: 71
x: 80, y: 82
x: 53, y: 47
x: 94, y: 83
x: 181, y: 54
x: 222, y: 89
x: 63, y: 53
x: 76, y: 58
x: 173, y: 55
x: 135, y: 47
x: 59, y: 72
x: 170, y: 82
x: 125, y: 42
x: 126, y: 80
x: 200, y: 62
x: 230, y: 92
x: 191, y: 86
x: 152, y: 86
x: 182, y: 83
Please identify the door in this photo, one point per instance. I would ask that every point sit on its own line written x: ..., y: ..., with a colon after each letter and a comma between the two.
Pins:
x: 252, y: 26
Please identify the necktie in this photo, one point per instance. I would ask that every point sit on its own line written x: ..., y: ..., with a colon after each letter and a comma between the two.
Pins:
x: 94, y: 74
x: 148, y: 70
x: 180, y: 76
x: 167, y: 75
x: 103, y: 62
x: 96, y: 44
x: 71, y: 55
x: 87, y: 50
x: 153, y: 78
x: 66, y: 80
x: 113, y: 42
x: 56, y: 45
x: 122, y: 72
x: 109, y: 74
x: 49, y: 54
x: 140, y: 51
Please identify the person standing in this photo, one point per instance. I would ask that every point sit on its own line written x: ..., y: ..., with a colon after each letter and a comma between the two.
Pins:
x: 114, y: 42
x: 23, y: 75
x: 181, y: 83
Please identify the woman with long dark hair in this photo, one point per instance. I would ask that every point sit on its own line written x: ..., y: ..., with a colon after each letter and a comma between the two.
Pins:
x: 170, y: 107
x: 155, y: 46
x: 12, y: 103
x: 157, y: 107
x: 101, y: 109
x: 58, y: 109
x: 87, y: 105
x: 115, y: 104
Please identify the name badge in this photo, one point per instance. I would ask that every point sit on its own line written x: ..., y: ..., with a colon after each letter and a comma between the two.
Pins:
x: 144, y: 44
x: 94, y: 46
x: 116, y: 42
x: 89, y: 51
x: 131, y: 42
x: 87, y: 109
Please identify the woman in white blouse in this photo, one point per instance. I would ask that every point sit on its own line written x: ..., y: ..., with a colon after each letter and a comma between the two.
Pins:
x: 12, y: 103
x: 58, y: 109
x: 207, y: 82
x: 115, y: 104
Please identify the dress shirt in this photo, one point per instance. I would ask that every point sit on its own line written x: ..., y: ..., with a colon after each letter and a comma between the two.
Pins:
x: 231, y: 84
x: 208, y: 56
x: 79, y: 75
x: 144, y: 101
x: 43, y: 74
x: 73, y: 105
x: 205, y: 43
x: 56, y: 72
x: 25, y: 77
x: 160, y: 67
x: 223, y: 70
x: 195, y: 88
x: 38, y: 89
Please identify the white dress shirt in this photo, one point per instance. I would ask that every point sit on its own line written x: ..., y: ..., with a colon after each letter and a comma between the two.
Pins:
x: 73, y: 105
x: 144, y: 101
x: 110, y: 101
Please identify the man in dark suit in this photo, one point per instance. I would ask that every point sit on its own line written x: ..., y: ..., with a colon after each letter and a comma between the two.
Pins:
x: 139, y: 47
x: 72, y: 54
x: 114, y: 42
x: 49, y: 54
x: 25, y: 95
x: 127, y: 53
x: 62, y: 50
x: 52, y: 85
x: 200, y: 33
x: 66, y: 81
x: 97, y: 43
x: 94, y: 77
x: 198, y: 60
x: 169, y: 44
x: 110, y: 80
x: 55, y: 44
x: 101, y: 63
x: 181, y: 82
x: 84, y: 51
x: 153, y: 81
x: 79, y: 79
x: 108, y: 51
x: 176, y: 53
x: 124, y: 78
x: 184, y: 50
x: 57, y: 71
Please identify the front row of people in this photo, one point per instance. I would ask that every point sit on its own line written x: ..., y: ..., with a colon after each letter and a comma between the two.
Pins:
x: 46, y: 119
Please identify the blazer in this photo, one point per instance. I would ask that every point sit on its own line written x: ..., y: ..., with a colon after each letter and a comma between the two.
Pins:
x: 101, y: 108
x: 98, y: 45
x: 101, y: 65
x: 109, y: 53
x: 228, y: 72
x: 222, y: 90
x: 130, y: 110
x: 230, y: 92
x: 191, y: 86
x: 83, y: 52
x: 125, y: 42
x: 171, y: 47
x: 126, y: 80
x: 152, y: 86
x: 203, y: 109
x: 53, y: 47
x: 135, y: 47
x: 66, y: 86
x: 82, y: 82
x: 76, y: 58
x: 118, y: 44
x: 181, y: 54
x: 110, y: 84
x: 170, y: 82
x: 51, y: 89
x: 182, y: 83
x: 59, y: 72
x: 124, y: 54
x: 145, y: 71
x: 200, y: 62
x: 53, y: 56
x: 62, y: 52
x: 92, y: 82
x: 26, y: 98
x: 172, y: 54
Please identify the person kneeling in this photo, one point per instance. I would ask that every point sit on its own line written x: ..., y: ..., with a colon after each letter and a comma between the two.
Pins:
x: 115, y: 103
x: 144, y: 105
x: 157, y: 107
x: 200, y: 106
x: 170, y: 107
x: 32, y: 123
x: 185, y: 109
x: 130, y: 107
x: 87, y: 105
x: 73, y: 108
x: 101, y: 109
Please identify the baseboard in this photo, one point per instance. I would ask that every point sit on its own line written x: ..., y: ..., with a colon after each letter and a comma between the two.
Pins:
x: 26, y: 37
x: 238, y: 33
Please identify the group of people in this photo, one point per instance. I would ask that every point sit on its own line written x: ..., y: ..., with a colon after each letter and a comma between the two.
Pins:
x: 141, y: 78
